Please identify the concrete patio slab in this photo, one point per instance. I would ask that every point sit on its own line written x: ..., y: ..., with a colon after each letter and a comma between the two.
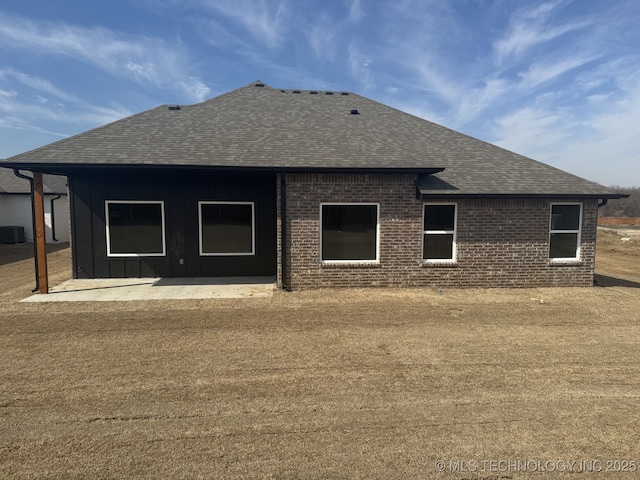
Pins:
x: 126, y: 289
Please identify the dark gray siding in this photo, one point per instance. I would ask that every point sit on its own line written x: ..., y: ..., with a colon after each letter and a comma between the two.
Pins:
x: 181, y: 194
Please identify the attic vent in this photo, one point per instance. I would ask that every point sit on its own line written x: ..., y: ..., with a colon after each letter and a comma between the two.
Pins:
x: 344, y: 93
x: 296, y: 91
x: 313, y: 93
x: 174, y: 107
x: 355, y: 112
x: 259, y: 84
x: 328, y: 93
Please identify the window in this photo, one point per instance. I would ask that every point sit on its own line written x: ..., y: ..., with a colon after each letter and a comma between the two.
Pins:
x: 135, y: 228
x: 349, y: 232
x: 564, y: 234
x: 226, y: 228
x: 439, y: 235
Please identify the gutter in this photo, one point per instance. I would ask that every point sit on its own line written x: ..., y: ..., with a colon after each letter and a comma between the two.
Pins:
x: 16, y: 172
x: 53, y: 218
x: 599, y: 196
x: 67, y: 169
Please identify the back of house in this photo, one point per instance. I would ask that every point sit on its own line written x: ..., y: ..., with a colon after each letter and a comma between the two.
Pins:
x: 318, y: 189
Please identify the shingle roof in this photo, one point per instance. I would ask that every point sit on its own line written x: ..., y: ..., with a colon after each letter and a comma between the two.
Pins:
x: 11, y: 184
x: 257, y: 126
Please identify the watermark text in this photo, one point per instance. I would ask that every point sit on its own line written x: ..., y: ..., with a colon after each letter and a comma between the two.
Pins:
x: 535, y: 465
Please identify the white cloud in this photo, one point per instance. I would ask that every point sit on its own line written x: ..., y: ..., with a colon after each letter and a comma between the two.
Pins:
x: 76, y: 114
x: 429, y: 77
x: 463, y: 102
x: 146, y: 61
x: 355, y: 11
x: 601, y: 145
x: 145, y: 73
x: 529, y: 27
x: 195, y: 88
x: 418, y: 109
x: 8, y: 93
x: 323, y: 37
x: 360, y: 67
x: 599, y: 98
x: 263, y: 20
x: 33, y: 105
x: 39, y: 84
x: 543, y: 72
x: 532, y: 131
x: 16, y: 123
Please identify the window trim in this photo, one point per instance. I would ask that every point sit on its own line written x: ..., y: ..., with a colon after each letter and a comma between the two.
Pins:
x: 138, y: 202
x: 578, y: 256
x: 454, y: 232
x: 352, y: 262
x: 226, y: 254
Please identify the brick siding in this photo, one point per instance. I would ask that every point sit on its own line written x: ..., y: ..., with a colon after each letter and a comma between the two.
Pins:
x: 500, y: 242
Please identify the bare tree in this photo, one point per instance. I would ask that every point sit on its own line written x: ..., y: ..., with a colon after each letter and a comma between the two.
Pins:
x: 624, y: 207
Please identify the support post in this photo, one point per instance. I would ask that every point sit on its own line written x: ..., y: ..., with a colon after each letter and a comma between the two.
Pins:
x: 39, y: 236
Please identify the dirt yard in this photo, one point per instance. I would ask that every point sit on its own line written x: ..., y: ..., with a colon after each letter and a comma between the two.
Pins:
x: 473, y: 384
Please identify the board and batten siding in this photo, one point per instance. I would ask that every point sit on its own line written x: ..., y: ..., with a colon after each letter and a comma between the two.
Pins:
x: 180, y: 194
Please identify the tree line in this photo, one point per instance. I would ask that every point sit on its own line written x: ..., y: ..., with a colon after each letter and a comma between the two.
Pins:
x: 624, y: 207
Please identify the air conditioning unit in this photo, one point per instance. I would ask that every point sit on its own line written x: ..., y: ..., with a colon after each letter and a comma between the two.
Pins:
x: 12, y: 234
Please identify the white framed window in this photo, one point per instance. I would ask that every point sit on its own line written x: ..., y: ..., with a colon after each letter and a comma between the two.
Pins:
x: 349, y: 232
x: 565, y: 227
x: 439, y: 232
x: 226, y: 228
x: 135, y: 228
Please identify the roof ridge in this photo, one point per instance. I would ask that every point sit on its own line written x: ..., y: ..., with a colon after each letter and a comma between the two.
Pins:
x: 222, y: 95
x: 307, y: 90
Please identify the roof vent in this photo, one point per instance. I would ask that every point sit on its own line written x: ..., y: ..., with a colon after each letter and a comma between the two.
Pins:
x: 259, y: 84
x: 173, y: 107
x: 296, y: 91
x: 355, y: 112
x: 328, y: 93
x: 312, y: 92
x: 344, y: 93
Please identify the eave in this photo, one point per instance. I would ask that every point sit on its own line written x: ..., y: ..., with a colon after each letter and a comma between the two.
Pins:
x: 75, y: 168
x: 574, y: 195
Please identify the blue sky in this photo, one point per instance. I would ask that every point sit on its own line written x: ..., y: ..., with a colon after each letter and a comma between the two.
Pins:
x: 556, y: 80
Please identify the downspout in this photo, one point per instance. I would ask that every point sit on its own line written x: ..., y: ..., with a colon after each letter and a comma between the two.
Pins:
x: 16, y: 172
x: 53, y: 218
x: 283, y: 229
x: 601, y: 204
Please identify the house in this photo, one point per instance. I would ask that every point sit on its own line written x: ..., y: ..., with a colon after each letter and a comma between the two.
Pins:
x: 319, y: 189
x: 15, y: 205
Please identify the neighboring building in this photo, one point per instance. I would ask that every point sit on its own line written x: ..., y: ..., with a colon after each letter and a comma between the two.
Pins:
x: 320, y: 189
x: 15, y: 205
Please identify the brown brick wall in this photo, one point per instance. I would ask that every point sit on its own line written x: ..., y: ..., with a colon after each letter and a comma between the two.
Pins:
x: 500, y: 243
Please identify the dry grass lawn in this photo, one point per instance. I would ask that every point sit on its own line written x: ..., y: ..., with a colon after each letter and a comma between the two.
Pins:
x: 329, y: 384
